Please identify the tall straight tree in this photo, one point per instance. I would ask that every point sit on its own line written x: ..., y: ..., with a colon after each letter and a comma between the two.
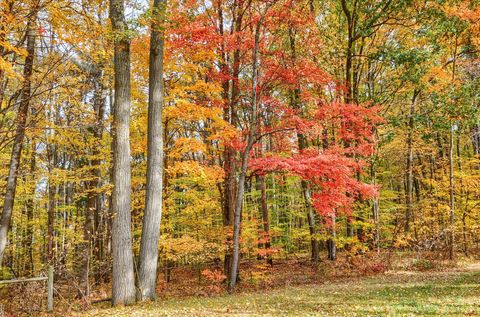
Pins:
x: 147, y: 274
x: 251, y: 139
x: 231, y: 93
x: 123, y: 280
x: 21, y: 122
x: 302, y: 144
x: 93, y: 206
x: 451, y: 176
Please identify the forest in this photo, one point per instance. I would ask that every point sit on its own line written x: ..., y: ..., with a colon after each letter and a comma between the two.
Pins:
x: 229, y: 157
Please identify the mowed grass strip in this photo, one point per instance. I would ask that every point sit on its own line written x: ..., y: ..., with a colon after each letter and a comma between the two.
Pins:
x: 452, y: 294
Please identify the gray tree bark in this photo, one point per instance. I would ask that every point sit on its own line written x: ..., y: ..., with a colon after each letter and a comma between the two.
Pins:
x: 315, y: 252
x: 229, y: 187
x: 251, y: 138
x: 452, y: 196
x: 261, y: 186
x: 147, y: 274
x: 21, y: 121
x: 331, y: 242
x: 123, y: 281
x: 375, y: 207
x: 451, y: 169
x: 409, y: 177
x: 29, y: 205
x: 90, y: 234
x: 476, y: 139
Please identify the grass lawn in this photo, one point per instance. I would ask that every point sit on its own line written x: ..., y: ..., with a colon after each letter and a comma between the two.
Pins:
x: 399, y: 294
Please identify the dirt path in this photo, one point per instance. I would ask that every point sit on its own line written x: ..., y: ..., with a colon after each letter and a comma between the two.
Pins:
x: 473, y: 267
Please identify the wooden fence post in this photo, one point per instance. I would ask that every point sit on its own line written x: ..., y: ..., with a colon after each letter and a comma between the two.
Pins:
x: 50, y: 289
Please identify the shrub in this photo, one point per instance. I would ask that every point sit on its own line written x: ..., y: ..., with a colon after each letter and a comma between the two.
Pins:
x: 422, y: 265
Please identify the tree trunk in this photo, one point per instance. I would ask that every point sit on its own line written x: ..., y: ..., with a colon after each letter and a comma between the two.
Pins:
x: 376, y: 220
x: 262, y: 203
x: 93, y: 208
x: 476, y: 139
x: 375, y: 208
x: 97, y: 195
x: 452, y: 196
x: 331, y: 242
x: 230, y: 115
x: 86, y: 252
x: 30, y: 207
x: 245, y: 156
x: 409, y: 176
x: 123, y: 282
x: 147, y: 275
x: 52, y: 189
x: 315, y: 245
x: 351, y: 22
x: 21, y: 121
x: 451, y: 168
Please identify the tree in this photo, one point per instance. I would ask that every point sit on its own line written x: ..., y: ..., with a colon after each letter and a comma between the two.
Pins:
x: 245, y: 153
x: 147, y: 275
x: 21, y: 122
x: 123, y: 282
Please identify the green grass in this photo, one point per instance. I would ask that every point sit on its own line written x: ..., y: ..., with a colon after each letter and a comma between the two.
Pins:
x: 433, y: 294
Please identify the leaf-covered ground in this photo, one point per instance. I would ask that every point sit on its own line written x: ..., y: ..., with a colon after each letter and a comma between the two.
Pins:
x: 452, y: 293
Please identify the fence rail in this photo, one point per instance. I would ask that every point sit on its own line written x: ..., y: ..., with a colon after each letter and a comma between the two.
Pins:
x: 49, y: 280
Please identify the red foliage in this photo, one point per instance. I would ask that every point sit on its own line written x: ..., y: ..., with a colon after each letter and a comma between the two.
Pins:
x: 292, y: 90
x: 332, y: 170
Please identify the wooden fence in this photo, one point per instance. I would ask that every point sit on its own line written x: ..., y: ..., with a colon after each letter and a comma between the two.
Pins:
x: 49, y: 280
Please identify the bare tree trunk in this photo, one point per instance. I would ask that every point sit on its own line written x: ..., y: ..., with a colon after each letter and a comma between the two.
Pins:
x: 375, y: 209
x: 123, y: 280
x: 245, y: 156
x: 21, y: 121
x: 476, y: 139
x: 376, y: 220
x: 228, y: 206
x: 351, y: 18
x: 331, y: 242
x: 93, y: 207
x: 147, y: 275
x: 52, y: 189
x: 452, y: 196
x: 30, y: 207
x: 100, y: 98
x: 315, y: 245
x: 262, y: 202
x: 87, y: 248
x: 237, y: 217
x: 409, y: 176
x: 110, y: 213
x: 230, y: 115
x: 451, y: 167
x: 464, y: 233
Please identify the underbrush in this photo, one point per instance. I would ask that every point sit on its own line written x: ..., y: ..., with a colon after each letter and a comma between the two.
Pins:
x: 424, y: 261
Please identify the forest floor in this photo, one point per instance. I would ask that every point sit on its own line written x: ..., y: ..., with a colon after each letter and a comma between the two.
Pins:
x: 387, y: 284
x: 452, y: 291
